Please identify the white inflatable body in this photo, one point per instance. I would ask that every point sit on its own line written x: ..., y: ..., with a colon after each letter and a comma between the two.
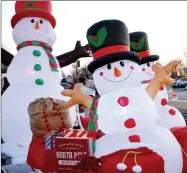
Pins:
x: 138, y: 107
x: 22, y: 75
x: 161, y: 97
x: 125, y: 109
x: 169, y: 116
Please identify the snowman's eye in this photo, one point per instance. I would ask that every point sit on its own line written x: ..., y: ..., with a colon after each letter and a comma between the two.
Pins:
x: 122, y: 63
x: 148, y: 65
x: 109, y: 66
x: 32, y: 21
x: 41, y: 21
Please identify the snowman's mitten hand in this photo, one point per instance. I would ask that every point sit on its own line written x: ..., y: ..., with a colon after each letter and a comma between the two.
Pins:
x: 85, y: 51
x: 161, y: 73
x: 67, y: 92
x: 157, y: 68
x: 69, y: 103
x: 77, y: 97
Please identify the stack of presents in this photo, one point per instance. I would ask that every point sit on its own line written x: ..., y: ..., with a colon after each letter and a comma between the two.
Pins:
x: 56, y: 146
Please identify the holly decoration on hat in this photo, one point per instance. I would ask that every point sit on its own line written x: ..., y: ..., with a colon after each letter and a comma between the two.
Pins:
x: 29, y: 3
x: 98, y: 39
x: 137, y: 45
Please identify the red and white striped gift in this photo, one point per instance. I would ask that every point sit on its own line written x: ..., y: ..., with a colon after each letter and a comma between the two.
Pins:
x: 75, y: 133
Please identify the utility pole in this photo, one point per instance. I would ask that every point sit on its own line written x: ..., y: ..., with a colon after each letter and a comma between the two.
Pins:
x: 76, y: 65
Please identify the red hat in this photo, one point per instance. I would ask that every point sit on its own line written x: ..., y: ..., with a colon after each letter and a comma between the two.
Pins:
x: 41, y: 9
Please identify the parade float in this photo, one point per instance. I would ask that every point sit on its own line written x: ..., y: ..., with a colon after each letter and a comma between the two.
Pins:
x: 123, y: 134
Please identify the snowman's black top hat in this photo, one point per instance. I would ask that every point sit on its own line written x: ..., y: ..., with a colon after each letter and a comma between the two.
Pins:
x: 139, y: 43
x: 109, y: 42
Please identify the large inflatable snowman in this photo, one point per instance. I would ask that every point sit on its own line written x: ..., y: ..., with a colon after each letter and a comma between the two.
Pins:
x: 133, y: 142
x: 168, y: 116
x: 33, y: 72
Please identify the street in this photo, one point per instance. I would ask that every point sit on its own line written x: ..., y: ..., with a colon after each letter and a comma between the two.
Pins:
x: 181, y: 102
x: 181, y: 95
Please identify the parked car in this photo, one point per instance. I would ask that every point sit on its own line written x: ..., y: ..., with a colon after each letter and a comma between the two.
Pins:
x: 180, y: 83
x: 183, y: 82
x: 176, y: 83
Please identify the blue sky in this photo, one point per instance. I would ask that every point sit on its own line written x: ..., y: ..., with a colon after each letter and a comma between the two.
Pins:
x: 164, y: 21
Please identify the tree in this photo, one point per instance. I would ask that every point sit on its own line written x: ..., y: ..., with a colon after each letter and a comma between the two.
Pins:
x: 81, y: 73
x: 63, y: 74
x: 178, y: 72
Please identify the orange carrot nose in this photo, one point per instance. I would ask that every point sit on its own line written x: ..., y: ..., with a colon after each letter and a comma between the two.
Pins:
x: 117, y: 72
x: 37, y: 25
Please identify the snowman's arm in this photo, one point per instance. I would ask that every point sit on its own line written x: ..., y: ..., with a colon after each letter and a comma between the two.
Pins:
x: 161, y: 77
x: 87, y: 101
x: 72, y: 56
x: 77, y: 97
x: 153, y: 88
x: 84, y: 100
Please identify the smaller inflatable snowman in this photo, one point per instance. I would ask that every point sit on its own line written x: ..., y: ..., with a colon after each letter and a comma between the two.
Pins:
x: 126, y: 113
x: 168, y: 116
x: 33, y: 72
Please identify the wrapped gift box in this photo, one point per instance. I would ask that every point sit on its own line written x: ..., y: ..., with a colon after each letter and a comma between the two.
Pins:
x: 65, y: 151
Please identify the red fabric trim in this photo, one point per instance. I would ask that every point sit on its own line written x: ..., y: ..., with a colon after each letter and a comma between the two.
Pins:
x: 33, y: 13
x: 144, y: 54
x: 110, y: 50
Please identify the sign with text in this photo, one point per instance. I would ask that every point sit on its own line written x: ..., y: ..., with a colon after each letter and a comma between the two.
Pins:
x: 69, y: 151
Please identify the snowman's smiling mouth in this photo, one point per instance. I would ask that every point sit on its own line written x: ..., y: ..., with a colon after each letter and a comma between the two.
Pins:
x: 120, y: 80
x: 149, y: 73
x: 37, y: 34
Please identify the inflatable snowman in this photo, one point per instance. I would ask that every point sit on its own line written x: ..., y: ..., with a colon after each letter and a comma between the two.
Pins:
x: 33, y: 72
x: 168, y: 116
x: 133, y: 142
